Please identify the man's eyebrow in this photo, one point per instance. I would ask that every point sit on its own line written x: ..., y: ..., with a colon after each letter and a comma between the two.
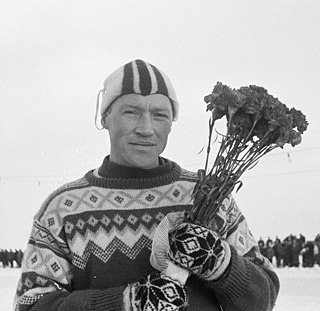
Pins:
x: 160, y: 109
x: 135, y: 106
x: 138, y: 107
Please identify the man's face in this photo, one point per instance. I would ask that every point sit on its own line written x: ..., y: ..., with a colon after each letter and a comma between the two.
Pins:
x: 138, y: 128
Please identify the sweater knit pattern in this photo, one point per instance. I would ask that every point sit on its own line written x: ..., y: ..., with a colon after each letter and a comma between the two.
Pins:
x: 80, y: 221
x: 96, y: 233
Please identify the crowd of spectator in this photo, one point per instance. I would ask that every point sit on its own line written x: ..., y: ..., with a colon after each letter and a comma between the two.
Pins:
x: 11, y: 258
x: 293, y: 251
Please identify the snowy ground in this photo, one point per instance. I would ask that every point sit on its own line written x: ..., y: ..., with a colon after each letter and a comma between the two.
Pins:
x: 300, y: 289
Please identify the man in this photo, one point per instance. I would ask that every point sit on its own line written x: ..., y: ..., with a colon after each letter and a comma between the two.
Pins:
x: 91, y: 240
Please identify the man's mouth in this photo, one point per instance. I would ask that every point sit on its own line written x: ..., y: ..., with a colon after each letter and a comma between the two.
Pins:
x: 144, y: 144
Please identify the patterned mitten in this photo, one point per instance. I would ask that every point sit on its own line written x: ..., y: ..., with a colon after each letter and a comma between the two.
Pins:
x: 199, y: 250
x: 155, y: 292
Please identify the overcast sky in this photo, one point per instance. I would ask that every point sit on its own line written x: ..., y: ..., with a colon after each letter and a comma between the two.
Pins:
x: 55, y: 55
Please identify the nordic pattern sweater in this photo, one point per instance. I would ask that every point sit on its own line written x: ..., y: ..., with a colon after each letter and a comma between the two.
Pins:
x: 92, y: 237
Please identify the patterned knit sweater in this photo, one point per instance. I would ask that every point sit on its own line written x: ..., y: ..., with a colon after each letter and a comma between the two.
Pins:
x: 92, y: 237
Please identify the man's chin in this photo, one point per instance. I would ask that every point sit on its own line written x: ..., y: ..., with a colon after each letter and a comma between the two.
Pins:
x: 136, y: 158
x: 145, y: 162
x: 147, y: 166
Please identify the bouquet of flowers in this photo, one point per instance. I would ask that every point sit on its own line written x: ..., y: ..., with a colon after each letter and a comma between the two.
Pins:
x: 257, y: 123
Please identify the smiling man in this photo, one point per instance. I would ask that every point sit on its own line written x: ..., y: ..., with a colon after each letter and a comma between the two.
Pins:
x: 138, y: 128
x: 138, y: 107
x: 91, y: 240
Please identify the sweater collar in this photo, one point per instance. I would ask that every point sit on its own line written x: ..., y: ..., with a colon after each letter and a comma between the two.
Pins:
x: 114, y: 170
x: 113, y: 175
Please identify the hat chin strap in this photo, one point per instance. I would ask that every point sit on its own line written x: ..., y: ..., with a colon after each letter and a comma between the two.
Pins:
x: 97, y: 110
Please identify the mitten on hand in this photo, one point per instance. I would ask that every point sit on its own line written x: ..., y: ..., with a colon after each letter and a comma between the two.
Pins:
x: 155, y: 292
x: 199, y: 250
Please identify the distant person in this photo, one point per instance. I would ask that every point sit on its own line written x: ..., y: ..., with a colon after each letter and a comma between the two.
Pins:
x: 277, y: 251
x: 296, y: 249
x: 91, y: 240
x: 269, y: 250
x: 262, y: 247
x: 19, y: 257
x: 308, y: 254
x: 317, y: 249
x: 11, y: 258
x: 302, y: 239
x: 287, y: 250
x: 316, y: 253
x: 4, y: 258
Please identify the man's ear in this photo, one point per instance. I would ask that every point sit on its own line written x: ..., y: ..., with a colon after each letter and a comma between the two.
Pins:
x: 104, y: 121
x: 105, y: 118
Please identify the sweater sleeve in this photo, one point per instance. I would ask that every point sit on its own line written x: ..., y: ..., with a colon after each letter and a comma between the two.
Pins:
x: 81, y: 300
x: 246, y: 286
x: 46, y: 281
x: 249, y: 283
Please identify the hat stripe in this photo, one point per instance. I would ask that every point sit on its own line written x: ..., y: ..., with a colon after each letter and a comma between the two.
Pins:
x: 136, y: 86
x: 127, y: 81
x: 144, y: 77
x: 162, y: 87
x: 154, y: 84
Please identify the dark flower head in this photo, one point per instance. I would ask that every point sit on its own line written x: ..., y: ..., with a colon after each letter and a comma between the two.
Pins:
x: 258, y: 89
x: 283, y: 137
x: 295, y: 138
x: 218, y: 114
x: 222, y: 98
x: 226, y: 95
x: 299, y: 120
x: 261, y: 128
x: 241, y: 123
x: 255, y: 99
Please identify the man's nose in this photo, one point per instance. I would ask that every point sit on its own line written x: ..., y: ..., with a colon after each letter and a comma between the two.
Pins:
x: 145, y: 125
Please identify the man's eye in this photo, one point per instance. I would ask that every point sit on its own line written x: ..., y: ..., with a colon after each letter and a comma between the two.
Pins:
x: 130, y: 112
x: 161, y: 115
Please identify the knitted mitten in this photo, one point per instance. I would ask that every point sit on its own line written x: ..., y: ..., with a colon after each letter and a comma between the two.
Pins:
x: 155, y: 292
x: 199, y: 250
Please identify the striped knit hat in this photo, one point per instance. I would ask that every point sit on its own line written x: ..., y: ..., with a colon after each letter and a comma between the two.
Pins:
x: 137, y: 77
